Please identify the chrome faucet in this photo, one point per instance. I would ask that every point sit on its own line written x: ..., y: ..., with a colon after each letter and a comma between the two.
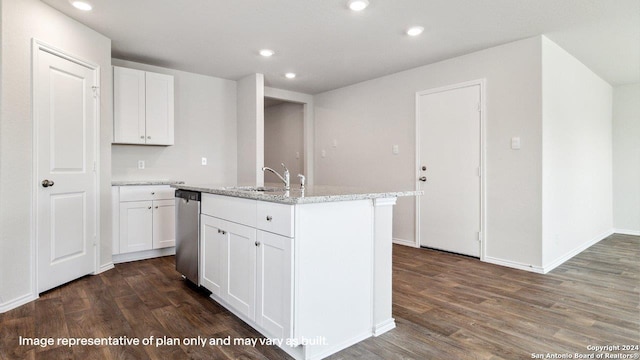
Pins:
x: 286, y: 179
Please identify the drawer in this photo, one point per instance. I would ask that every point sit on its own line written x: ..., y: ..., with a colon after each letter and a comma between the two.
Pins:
x: 238, y: 210
x: 142, y: 193
x: 275, y: 218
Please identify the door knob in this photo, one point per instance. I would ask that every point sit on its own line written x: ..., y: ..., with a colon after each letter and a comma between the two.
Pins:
x: 423, y: 178
x: 47, y: 183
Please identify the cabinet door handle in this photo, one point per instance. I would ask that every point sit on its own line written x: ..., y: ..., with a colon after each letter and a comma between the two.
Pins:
x: 153, y: 193
x: 257, y: 243
x: 141, y: 136
x: 149, y: 207
x: 156, y: 206
x: 269, y: 218
x: 148, y: 137
x: 221, y: 232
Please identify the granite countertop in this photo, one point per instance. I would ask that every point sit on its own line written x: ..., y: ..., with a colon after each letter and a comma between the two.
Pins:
x: 144, y: 182
x: 311, y: 194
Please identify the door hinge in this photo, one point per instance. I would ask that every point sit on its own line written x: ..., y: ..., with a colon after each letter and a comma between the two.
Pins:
x: 479, y: 172
x: 96, y: 91
x: 479, y: 236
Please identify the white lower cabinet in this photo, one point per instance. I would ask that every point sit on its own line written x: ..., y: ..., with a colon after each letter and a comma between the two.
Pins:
x: 274, y: 300
x: 302, y: 273
x: 136, y: 226
x: 250, y: 270
x: 144, y: 219
x: 213, y: 259
x: 164, y: 223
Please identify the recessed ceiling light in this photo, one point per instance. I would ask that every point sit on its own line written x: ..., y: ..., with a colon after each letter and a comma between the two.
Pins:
x: 358, y: 5
x: 290, y: 75
x: 266, y: 52
x: 81, y: 5
x: 415, y: 30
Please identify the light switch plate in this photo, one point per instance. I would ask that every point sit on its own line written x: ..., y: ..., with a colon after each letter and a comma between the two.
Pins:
x: 140, y: 164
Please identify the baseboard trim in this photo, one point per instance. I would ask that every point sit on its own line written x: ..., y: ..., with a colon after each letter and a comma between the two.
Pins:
x: 17, y: 302
x: 384, y: 327
x: 405, y: 242
x: 143, y: 255
x: 561, y: 260
x: 627, y: 232
x: 105, y: 267
x: 514, y: 265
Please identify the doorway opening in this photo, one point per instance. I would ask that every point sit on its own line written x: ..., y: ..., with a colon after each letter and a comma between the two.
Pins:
x: 283, y: 137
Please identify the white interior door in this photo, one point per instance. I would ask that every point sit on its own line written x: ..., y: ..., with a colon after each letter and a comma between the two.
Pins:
x: 449, y: 124
x: 65, y: 130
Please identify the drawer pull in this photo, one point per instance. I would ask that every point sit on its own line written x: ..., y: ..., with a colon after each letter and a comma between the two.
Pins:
x: 153, y: 193
x: 221, y: 232
x: 269, y: 218
x: 156, y: 206
x: 257, y: 243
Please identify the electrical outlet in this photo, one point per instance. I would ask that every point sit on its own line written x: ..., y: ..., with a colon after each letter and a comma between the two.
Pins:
x: 140, y: 164
x: 204, y: 161
x: 323, y: 153
x: 395, y: 149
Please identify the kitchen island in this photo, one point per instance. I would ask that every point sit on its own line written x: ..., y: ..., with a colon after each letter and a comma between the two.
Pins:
x: 308, y: 268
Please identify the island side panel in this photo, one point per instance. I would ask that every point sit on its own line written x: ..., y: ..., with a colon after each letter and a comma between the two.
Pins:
x: 383, y: 269
x: 333, y: 274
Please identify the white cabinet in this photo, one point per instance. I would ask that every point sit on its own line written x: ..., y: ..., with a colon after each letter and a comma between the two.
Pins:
x: 136, y: 221
x: 143, y: 105
x: 274, y: 285
x: 249, y: 269
x: 145, y: 217
x: 164, y: 223
x: 213, y: 250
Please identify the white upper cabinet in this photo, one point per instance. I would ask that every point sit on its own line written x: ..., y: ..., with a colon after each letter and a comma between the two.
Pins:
x: 143, y: 107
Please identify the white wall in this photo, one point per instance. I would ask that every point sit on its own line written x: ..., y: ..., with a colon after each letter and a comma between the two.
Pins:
x: 577, y: 156
x: 283, y: 139
x: 21, y: 21
x: 205, y: 126
x: 250, y: 95
x: 626, y: 159
x: 367, y: 119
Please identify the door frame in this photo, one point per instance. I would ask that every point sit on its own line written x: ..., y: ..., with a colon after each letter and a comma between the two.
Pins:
x: 307, y: 107
x: 483, y: 183
x: 37, y: 46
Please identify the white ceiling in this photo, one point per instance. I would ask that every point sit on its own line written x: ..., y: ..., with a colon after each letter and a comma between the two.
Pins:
x: 329, y: 46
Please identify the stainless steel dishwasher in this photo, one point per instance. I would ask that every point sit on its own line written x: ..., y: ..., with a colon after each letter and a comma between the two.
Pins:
x: 188, y: 234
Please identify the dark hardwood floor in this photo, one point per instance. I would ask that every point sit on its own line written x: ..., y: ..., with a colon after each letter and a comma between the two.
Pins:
x: 446, y: 307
